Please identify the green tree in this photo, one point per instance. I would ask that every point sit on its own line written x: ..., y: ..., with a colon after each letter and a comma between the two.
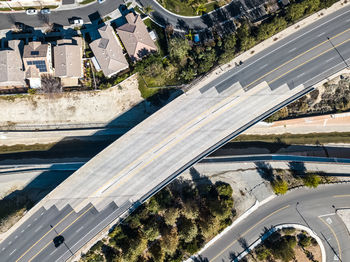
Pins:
x: 280, y: 186
x: 209, y: 226
x: 150, y: 229
x: 295, y: 11
x: 311, y: 180
x: 157, y: 252
x: 200, y: 9
x: 170, y: 241
x: 187, y: 229
x: 171, y: 215
x: 178, y: 48
x: 304, y: 240
x: 284, y: 249
x: 224, y: 189
x: 148, y: 9
x: 262, y: 252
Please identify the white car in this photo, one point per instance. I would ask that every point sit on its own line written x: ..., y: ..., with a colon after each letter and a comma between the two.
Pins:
x: 31, y: 11
x: 45, y: 11
x: 78, y: 22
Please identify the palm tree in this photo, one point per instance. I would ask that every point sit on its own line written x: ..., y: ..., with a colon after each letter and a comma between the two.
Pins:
x: 201, y: 9
x: 148, y: 9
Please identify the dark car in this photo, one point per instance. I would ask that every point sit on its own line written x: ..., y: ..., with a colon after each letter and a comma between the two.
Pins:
x: 58, y: 240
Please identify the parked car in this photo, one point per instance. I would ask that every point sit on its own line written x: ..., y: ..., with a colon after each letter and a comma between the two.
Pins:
x: 45, y: 11
x: 31, y: 11
x: 58, y: 240
x: 78, y: 22
x: 101, y: 1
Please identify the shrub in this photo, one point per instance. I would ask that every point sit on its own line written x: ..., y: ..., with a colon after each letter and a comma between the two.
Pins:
x: 311, y: 180
x: 280, y: 187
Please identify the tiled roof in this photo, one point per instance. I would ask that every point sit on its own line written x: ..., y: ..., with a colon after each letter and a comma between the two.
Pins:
x: 108, y: 52
x: 135, y: 37
x: 68, y: 58
x: 11, y: 67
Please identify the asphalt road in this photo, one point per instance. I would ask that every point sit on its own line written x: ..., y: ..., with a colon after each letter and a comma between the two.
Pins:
x: 7, y: 20
x: 253, y: 9
x: 190, y: 127
x: 314, y: 211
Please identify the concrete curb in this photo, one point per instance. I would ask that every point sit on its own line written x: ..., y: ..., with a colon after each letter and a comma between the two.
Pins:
x: 238, y: 220
x: 274, y: 229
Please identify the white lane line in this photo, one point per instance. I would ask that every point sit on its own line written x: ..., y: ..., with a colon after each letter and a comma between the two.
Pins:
x: 3, y: 249
x: 300, y: 75
x: 261, y: 67
x: 36, y: 230
x: 35, y: 219
x: 326, y: 215
x: 42, y: 214
x: 52, y: 252
x: 330, y: 59
x: 293, y: 49
x: 12, y: 252
x: 322, y: 34
x: 80, y: 228
x: 16, y: 237
x: 10, y: 242
x: 22, y: 231
x: 29, y: 225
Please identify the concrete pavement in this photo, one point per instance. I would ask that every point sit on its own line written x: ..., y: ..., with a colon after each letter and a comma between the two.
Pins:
x: 193, y: 125
x: 311, y: 208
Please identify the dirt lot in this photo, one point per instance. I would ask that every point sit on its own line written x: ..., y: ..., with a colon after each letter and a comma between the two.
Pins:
x: 70, y: 108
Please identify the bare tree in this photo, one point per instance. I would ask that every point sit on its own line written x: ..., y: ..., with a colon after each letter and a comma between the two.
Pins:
x: 50, y: 84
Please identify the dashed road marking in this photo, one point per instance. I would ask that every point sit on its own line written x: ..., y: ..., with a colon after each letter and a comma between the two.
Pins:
x: 12, y: 252
x: 329, y: 220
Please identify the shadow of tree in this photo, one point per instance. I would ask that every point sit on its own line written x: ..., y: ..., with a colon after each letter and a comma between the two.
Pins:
x: 265, y: 170
x: 297, y: 169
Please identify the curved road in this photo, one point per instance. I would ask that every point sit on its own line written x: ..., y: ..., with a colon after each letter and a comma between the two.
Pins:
x: 309, y: 207
x: 60, y: 17
x: 253, y: 9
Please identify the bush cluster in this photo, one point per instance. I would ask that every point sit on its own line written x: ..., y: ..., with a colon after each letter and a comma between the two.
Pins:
x: 176, y: 222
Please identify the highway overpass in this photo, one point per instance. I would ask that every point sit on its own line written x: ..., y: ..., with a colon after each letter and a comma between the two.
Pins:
x: 153, y: 153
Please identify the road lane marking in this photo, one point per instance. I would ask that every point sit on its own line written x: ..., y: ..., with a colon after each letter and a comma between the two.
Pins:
x: 341, y: 196
x: 335, y: 236
x: 60, y: 233
x: 212, y: 117
x: 36, y: 230
x: 161, y: 142
x: 307, y: 61
x: 293, y: 49
x: 329, y: 220
x: 321, y: 34
x: 80, y: 229
x: 12, y: 252
x: 247, y: 231
x: 30, y: 248
x: 303, y: 53
x: 326, y: 215
x: 330, y: 59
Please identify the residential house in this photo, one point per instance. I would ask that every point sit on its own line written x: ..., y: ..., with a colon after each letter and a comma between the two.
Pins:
x: 37, y: 61
x: 11, y: 66
x: 68, y: 61
x: 135, y: 37
x: 108, y: 52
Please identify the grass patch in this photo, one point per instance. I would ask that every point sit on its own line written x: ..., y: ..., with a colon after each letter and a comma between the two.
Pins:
x: 161, y: 41
x: 12, y: 97
x: 298, y: 139
x: 85, y: 2
x: 182, y: 8
x: 146, y: 92
x: 5, y: 9
x: 24, y: 148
